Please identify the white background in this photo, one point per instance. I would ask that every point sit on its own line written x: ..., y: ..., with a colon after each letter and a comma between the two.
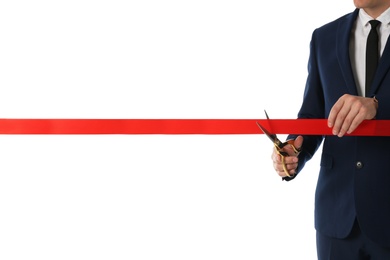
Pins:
x: 154, y: 196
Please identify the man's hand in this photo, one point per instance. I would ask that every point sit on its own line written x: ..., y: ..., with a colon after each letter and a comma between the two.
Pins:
x: 349, y: 111
x: 291, y: 161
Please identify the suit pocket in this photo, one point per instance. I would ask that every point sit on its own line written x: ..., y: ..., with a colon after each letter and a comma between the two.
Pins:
x: 326, y: 161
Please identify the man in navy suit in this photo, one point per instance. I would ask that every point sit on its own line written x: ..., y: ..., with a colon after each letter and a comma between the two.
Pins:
x: 352, y: 200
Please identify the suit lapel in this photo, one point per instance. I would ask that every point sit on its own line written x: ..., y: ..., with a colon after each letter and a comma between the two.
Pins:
x: 383, y: 68
x: 343, y: 39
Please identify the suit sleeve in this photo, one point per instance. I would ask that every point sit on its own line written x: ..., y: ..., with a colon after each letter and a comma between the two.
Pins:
x: 312, y: 107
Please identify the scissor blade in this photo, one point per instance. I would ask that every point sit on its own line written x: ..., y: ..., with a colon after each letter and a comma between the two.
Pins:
x: 272, y: 137
x: 266, y: 114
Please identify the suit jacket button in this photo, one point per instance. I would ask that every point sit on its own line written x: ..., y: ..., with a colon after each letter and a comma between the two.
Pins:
x: 359, y: 165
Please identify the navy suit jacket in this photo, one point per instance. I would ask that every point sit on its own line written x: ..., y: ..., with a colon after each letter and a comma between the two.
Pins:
x: 354, y: 178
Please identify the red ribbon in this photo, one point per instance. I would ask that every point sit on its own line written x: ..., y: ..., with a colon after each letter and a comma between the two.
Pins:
x: 183, y: 126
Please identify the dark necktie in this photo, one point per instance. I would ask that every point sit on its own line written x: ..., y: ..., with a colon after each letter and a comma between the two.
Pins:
x: 372, y: 54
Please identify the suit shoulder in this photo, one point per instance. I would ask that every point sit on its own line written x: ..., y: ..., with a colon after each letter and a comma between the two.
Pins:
x: 347, y: 18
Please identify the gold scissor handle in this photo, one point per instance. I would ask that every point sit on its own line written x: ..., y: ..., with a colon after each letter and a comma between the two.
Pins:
x: 284, y: 154
x: 291, y: 143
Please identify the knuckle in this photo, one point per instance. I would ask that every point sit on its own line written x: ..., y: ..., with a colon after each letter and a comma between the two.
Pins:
x: 357, y: 104
x: 347, y: 121
x: 363, y: 110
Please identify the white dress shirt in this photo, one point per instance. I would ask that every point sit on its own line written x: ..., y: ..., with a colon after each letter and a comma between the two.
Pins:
x: 357, y: 47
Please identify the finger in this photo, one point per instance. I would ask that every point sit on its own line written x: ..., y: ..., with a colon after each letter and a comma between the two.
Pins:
x: 356, y: 122
x: 279, y: 169
x: 285, y: 168
x: 338, y: 124
x: 285, y: 165
x: 298, y: 142
x: 347, y: 122
x: 276, y: 157
x: 335, y: 111
x: 290, y: 167
x: 289, y: 157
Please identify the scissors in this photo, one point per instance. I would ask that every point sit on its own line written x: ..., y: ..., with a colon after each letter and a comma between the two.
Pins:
x: 279, y: 145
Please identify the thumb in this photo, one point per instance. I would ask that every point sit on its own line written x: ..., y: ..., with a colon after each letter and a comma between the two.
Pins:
x: 298, y: 142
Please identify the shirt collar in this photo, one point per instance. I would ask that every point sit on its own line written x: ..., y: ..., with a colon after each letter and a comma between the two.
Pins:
x: 364, y: 18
